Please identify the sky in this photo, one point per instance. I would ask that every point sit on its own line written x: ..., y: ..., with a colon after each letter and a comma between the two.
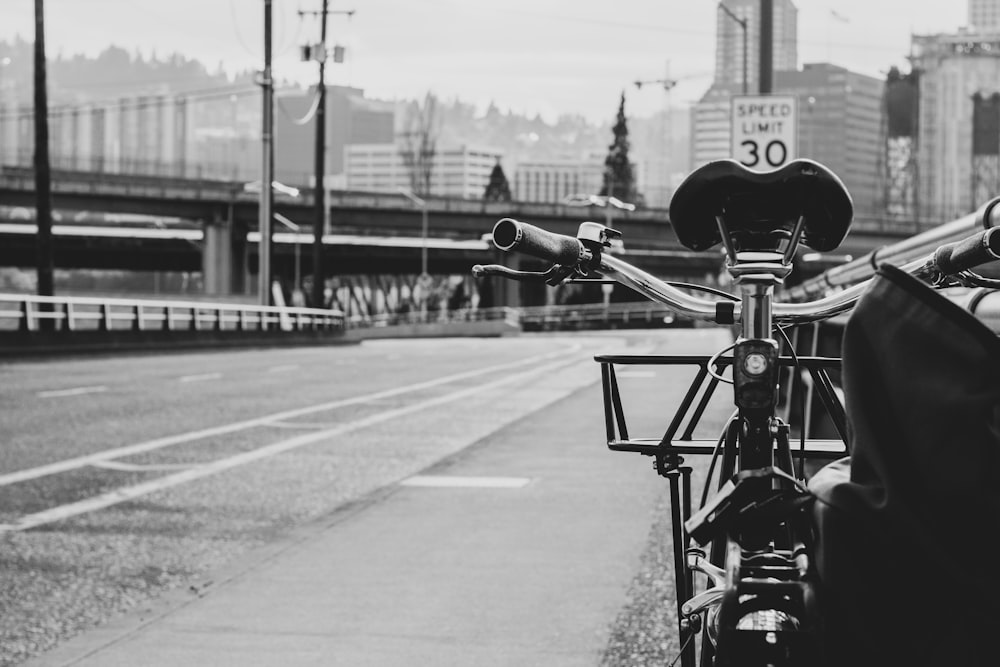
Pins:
x: 550, y: 57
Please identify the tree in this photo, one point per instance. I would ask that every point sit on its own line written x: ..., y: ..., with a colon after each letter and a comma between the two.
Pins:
x: 498, y: 189
x: 619, y: 181
x: 419, y: 143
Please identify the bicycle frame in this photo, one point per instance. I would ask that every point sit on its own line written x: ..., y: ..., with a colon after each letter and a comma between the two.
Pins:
x: 745, y: 562
x: 760, y: 540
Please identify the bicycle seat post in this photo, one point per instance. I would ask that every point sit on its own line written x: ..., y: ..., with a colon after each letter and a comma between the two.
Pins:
x: 756, y: 273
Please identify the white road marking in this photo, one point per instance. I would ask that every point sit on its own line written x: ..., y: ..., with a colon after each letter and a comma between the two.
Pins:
x: 145, y: 488
x: 636, y: 374
x: 303, y: 426
x: 75, y: 391
x: 455, y: 482
x: 142, y: 467
x: 181, y: 438
x: 282, y: 369
x: 201, y: 377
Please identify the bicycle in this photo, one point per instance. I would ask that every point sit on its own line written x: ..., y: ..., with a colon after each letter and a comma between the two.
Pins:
x: 759, y: 606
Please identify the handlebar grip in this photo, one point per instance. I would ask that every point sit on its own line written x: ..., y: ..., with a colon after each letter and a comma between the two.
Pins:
x: 980, y: 248
x: 510, y: 234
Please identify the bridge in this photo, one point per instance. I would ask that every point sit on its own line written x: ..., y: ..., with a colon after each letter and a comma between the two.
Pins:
x: 210, y: 226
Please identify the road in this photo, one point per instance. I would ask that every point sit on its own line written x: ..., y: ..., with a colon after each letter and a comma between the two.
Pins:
x: 124, y: 478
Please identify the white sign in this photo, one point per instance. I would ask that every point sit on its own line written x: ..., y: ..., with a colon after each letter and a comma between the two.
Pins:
x: 764, y: 131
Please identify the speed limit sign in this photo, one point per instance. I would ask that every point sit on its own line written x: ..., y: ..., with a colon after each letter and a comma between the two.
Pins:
x: 764, y: 130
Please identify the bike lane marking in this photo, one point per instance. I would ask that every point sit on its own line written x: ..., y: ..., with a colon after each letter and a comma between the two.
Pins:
x: 74, y: 391
x: 67, y: 465
x: 221, y: 465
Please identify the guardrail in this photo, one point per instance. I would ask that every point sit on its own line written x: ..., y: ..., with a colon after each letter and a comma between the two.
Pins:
x: 511, y: 316
x: 29, y: 313
x: 640, y: 314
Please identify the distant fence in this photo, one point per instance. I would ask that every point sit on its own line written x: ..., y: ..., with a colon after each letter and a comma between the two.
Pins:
x: 640, y: 314
x: 57, y: 325
x: 29, y: 313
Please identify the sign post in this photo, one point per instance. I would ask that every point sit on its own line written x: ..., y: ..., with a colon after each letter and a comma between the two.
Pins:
x: 764, y: 131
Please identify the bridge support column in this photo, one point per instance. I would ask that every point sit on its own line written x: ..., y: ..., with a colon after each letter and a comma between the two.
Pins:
x: 508, y: 292
x: 216, y: 257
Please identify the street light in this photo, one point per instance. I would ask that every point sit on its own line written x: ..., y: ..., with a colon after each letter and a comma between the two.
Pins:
x: 264, y: 261
x: 743, y: 25
x: 423, y: 233
x: 298, y: 262
x: 606, y: 202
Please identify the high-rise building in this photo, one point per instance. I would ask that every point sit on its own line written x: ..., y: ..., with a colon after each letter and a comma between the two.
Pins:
x: 458, y: 171
x: 729, y: 44
x: 984, y: 15
x: 957, y: 162
x: 839, y: 125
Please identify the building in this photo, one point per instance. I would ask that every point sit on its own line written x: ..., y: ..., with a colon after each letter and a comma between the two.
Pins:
x: 549, y: 181
x: 959, y: 75
x: 729, y: 41
x: 350, y: 119
x: 460, y: 171
x: 839, y: 125
x: 984, y: 16
x: 711, y: 125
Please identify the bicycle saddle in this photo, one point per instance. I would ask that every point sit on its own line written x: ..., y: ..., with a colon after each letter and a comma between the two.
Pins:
x: 759, y: 208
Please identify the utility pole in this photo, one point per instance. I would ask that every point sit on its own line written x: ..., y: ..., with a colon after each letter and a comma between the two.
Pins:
x: 766, y: 46
x: 267, y: 166
x: 43, y: 172
x: 319, y: 184
x: 319, y: 187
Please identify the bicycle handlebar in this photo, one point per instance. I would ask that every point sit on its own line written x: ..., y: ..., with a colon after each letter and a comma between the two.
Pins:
x: 953, y: 258
x: 510, y: 234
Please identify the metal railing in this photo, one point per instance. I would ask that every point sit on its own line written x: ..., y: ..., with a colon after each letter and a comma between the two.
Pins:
x: 28, y: 313
x: 644, y: 314
x: 511, y: 316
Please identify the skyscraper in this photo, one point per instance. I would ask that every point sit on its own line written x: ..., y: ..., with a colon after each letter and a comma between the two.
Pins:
x: 984, y: 15
x: 729, y: 37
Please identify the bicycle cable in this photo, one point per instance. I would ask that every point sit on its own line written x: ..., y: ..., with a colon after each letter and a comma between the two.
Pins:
x: 802, y: 401
x: 681, y: 652
x: 714, y: 359
x: 715, y: 458
x: 703, y: 288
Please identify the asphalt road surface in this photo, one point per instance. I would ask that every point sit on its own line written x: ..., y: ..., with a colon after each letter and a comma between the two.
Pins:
x: 123, y: 478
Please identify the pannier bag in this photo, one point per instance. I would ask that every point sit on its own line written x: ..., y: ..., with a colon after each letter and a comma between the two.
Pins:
x: 906, y: 525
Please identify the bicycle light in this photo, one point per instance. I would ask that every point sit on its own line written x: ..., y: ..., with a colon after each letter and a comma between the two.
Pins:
x: 755, y: 373
x: 755, y: 363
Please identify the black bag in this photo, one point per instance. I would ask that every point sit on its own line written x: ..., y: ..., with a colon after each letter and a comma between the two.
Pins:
x: 906, y: 524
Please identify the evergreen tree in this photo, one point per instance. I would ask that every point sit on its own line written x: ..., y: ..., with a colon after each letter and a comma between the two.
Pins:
x: 619, y: 181
x: 498, y: 189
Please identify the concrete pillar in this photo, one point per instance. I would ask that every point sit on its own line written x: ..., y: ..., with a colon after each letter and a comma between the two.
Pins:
x: 216, y: 257
x: 509, y: 291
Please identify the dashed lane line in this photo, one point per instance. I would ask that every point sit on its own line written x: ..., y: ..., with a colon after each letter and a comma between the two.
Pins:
x: 224, y: 429
x: 461, y: 482
x: 220, y: 465
x: 74, y: 391
x: 200, y: 377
